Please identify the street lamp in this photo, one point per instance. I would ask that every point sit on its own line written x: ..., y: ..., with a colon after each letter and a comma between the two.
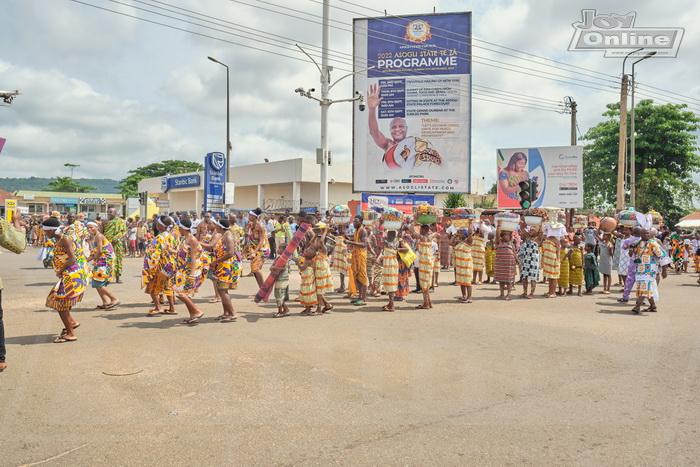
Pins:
x: 228, y: 113
x: 633, y: 169
x: 622, y: 152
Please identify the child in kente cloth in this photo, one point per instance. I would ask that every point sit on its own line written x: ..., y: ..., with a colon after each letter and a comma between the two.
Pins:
x: 489, y: 259
x: 576, y: 264
x: 281, y: 284
x: 464, y: 266
x: 564, y: 267
x: 591, y: 272
x: 322, y: 272
x: 390, y: 267
x: 307, y: 288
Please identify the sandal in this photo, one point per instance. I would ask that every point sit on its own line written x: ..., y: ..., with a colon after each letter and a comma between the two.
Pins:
x: 154, y: 312
x: 327, y: 309
x: 280, y: 315
x: 651, y: 309
x: 64, y: 331
x: 308, y: 313
x: 421, y: 307
x: 170, y: 311
x: 359, y: 303
x: 101, y: 307
x: 636, y: 310
x: 192, y: 321
x: 63, y: 340
x: 214, y: 300
x: 386, y: 308
x: 112, y: 305
x: 229, y: 319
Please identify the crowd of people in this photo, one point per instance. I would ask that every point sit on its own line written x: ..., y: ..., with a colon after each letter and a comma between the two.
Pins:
x: 181, y: 251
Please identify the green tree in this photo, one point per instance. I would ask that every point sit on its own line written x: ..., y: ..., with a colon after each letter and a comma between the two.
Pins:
x: 454, y: 200
x: 665, y: 159
x: 129, y: 186
x: 66, y: 184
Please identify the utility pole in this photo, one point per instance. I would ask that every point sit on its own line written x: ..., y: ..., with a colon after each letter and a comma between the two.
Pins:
x: 570, y: 107
x: 622, y: 145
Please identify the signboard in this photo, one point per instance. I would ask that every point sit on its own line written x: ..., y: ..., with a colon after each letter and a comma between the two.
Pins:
x: 229, y: 194
x: 557, y: 171
x: 403, y: 203
x: 215, y: 168
x: 10, y: 204
x: 62, y: 200
x: 180, y: 181
x: 98, y: 201
x: 163, y: 203
x: 415, y: 135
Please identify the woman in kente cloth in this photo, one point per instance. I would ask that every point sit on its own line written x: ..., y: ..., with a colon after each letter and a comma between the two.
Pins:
x: 426, y: 263
x: 478, y: 251
x: 564, y: 267
x: 489, y: 258
x: 72, y: 280
x: 390, y: 267
x: 550, y: 265
x: 505, y: 263
x: 464, y: 271
x: 188, y: 271
x: 102, y: 257
x: 258, y: 245
x: 340, y: 260
x: 225, y: 267
x: 156, y: 257
x: 404, y: 270
x: 322, y: 271
x: 576, y: 265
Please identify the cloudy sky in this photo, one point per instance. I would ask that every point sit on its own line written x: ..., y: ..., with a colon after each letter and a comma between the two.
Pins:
x: 112, y: 92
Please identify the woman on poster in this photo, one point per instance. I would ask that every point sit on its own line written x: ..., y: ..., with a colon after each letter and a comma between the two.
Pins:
x: 509, y: 179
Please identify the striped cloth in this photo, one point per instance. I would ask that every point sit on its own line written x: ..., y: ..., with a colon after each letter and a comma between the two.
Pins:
x: 576, y: 264
x: 307, y: 289
x: 340, y: 257
x: 322, y: 272
x: 426, y: 261
x: 478, y: 248
x: 504, y: 264
x: 464, y: 267
x: 489, y: 259
x: 563, y: 280
x: 390, y: 269
x: 550, y: 264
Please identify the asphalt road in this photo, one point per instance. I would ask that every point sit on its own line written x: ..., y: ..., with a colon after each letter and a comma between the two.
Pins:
x: 568, y: 381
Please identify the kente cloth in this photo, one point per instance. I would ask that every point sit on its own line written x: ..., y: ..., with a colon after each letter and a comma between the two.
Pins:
x: 478, y: 249
x: 390, y: 267
x: 677, y: 251
x: 264, y: 292
x: 464, y: 267
x: 489, y: 259
x: 648, y: 254
x: 156, y: 256
x: 322, y: 272
x: 257, y: 259
x: 227, y: 271
x: 114, y: 230
x: 404, y: 276
x: 576, y: 265
x: 359, y: 261
x: 550, y: 262
x: 504, y: 265
x: 70, y: 288
x: 186, y: 281
x: 376, y: 276
x: 624, y: 264
x: 340, y: 257
x: 282, y: 286
x: 529, y: 256
x: 103, y: 266
x: 307, y: 288
x: 563, y: 280
x: 48, y: 252
x: 426, y: 261
x: 591, y: 271
x: 436, y: 262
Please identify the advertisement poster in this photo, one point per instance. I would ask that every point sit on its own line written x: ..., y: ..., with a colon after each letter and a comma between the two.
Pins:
x: 403, y: 203
x: 215, y: 169
x: 557, y: 170
x: 414, y: 134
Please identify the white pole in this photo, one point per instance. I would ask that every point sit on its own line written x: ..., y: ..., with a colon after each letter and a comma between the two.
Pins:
x: 325, y: 82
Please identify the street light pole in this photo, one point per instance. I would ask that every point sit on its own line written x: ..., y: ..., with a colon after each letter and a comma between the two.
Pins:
x: 633, y: 168
x: 622, y: 153
x: 228, y: 113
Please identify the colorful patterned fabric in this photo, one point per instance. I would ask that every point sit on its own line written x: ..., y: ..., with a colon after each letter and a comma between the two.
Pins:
x: 576, y: 265
x: 359, y: 261
x: 257, y: 259
x: 322, y: 272
x: 464, y: 267
x: 445, y: 249
x: 513, y: 180
x: 185, y: 281
x: 157, y: 255
x: 677, y: 251
x: 282, y: 286
x: 426, y: 261
x: 489, y: 259
x: 529, y: 256
x: 478, y: 249
x: 71, y: 285
x: 114, y: 230
x: 624, y: 263
x: 48, y: 252
x: 103, y: 267
x: 226, y: 271
x: 550, y: 261
x: 307, y: 288
x: 390, y: 267
x: 564, y: 269
x: 340, y: 257
x: 648, y: 254
x: 504, y: 265
x: 264, y: 292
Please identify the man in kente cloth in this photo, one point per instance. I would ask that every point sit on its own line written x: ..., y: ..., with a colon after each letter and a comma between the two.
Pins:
x: 114, y: 228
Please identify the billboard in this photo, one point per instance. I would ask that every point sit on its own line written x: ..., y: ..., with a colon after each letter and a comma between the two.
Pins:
x: 415, y: 134
x: 215, y: 171
x: 557, y: 172
x: 403, y: 203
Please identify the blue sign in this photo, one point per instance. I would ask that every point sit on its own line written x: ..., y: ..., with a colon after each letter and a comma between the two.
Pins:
x: 62, y: 200
x: 403, y: 203
x: 180, y: 181
x: 215, y: 172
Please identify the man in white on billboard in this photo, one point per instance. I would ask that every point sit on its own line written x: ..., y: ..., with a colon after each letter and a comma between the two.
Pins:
x: 400, y: 151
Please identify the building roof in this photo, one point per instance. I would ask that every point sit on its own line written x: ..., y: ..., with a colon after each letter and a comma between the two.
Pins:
x: 61, y: 194
x: 691, y: 216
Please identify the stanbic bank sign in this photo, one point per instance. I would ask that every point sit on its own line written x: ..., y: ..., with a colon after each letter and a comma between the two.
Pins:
x: 182, y: 181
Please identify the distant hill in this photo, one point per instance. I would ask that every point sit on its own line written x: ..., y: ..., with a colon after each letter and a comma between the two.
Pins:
x: 102, y: 185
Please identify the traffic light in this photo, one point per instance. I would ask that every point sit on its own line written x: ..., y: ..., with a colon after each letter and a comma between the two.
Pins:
x: 142, y: 198
x: 525, y: 194
x: 533, y: 190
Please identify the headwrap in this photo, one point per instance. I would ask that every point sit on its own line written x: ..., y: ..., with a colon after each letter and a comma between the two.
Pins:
x: 183, y: 227
x: 91, y: 223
